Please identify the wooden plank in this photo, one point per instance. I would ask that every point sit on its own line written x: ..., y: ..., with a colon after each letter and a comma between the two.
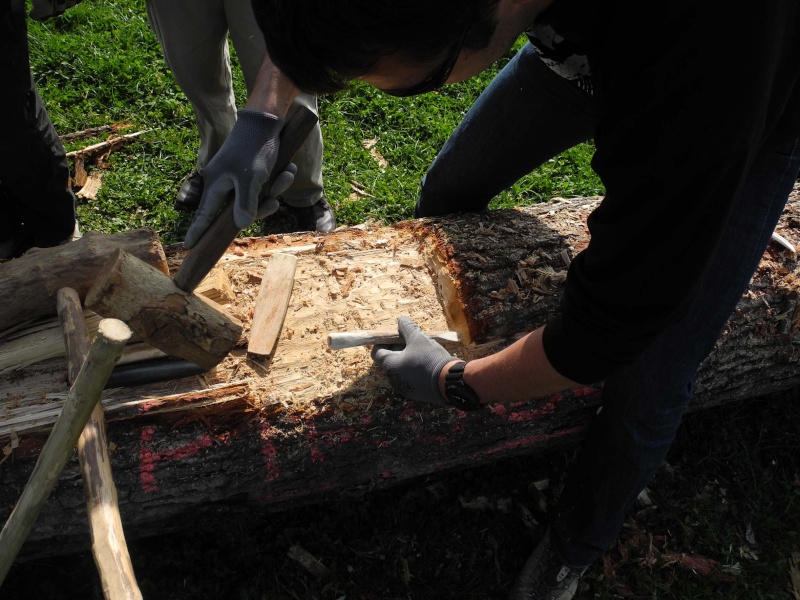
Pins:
x: 271, y: 305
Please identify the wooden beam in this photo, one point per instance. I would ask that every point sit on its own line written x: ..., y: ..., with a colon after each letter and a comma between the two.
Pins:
x: 271, y: 305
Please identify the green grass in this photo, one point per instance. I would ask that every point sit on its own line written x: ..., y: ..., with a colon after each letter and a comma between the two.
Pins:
x: 100, y: 64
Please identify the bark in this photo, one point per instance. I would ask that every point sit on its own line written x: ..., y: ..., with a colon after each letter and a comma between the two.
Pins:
x: 28, y: 284
x: 176, y: 322
x: 316, y: 423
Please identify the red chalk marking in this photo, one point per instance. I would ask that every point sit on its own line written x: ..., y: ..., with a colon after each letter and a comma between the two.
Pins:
x: 270, y: 453
x: 148, y: 458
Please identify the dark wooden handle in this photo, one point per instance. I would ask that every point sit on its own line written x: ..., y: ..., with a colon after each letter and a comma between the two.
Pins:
x: 222, y: 231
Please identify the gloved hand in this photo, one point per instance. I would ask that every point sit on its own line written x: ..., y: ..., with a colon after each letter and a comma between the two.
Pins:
x: 44, y: 9
x: 414, y: 368
x: 241, y: 167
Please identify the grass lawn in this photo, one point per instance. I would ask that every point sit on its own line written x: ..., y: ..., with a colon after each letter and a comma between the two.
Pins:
x: 101, y: 64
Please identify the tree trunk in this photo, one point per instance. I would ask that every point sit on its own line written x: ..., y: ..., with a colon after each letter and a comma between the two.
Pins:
x: 314, y: 422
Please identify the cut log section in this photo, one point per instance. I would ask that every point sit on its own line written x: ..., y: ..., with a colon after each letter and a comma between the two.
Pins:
x: 28, y: 285
x: 320, y: 423
x: 176, y: 322
x: 43, y: 339
x: 271, y: 305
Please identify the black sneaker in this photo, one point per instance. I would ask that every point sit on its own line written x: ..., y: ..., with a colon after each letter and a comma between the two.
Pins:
x: 190, y: 193
x: 317, y: 217
x: 545, y: 576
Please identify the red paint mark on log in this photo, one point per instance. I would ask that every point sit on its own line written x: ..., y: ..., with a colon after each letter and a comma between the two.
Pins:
x: 270, y: 452
x: 319, y: 441
x: 148, y: 458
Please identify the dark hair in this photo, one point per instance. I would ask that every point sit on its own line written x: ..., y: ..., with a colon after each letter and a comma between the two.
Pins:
x: 321, y: 45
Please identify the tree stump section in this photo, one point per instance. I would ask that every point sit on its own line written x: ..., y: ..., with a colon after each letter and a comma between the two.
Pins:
x: 312, y: 423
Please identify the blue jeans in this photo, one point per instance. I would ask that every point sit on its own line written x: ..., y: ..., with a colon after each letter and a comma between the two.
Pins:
x: 525, y: 117
x: 643, y: 404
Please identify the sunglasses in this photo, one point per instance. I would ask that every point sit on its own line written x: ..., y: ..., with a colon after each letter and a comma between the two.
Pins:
x: 436, y: 79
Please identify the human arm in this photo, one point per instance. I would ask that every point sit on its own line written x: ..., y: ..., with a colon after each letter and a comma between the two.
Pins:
x: 417, y: 369
x: 246, y: 159
x: 519, y: 372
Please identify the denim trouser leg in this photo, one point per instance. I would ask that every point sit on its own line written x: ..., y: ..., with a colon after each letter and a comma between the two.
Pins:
x: 643, y: 404
x: 526, y: 116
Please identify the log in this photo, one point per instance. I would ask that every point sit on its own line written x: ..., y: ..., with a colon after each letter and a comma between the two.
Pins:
x: 176, y: 322
x: 43, y: 339
x: 320, y: 423
x: 271, y: 305
x: 109, y: 549
x: 28, y: 284
x: 83, y: 396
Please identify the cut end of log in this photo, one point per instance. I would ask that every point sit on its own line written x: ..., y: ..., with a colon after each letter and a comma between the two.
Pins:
x: 114, y: 331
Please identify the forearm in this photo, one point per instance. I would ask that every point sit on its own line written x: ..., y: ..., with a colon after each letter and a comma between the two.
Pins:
x: 273, y: 92
x: 519, y: 372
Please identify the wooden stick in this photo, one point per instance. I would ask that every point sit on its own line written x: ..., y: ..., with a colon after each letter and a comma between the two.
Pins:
x: 350, y: 339
x: 271, y: 305
x: 83, y: 396
x: 222, y: 231
x: 109, y: 144
x: 108, y: 538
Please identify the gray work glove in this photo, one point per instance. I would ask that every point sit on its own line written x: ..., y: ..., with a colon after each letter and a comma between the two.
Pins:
x: 44, y: 9
x: 414, y: 368
x: 240, y: 168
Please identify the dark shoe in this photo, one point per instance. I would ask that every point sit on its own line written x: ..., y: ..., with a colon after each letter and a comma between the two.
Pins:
x: 191, y: 191
x: 545, y: 576
x: 317, y: 217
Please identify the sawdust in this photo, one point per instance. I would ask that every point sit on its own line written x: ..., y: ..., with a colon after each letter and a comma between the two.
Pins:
x: 355, y: 279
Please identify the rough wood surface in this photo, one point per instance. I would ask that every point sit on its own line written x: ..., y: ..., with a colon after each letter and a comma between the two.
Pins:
x: 178, y: 323
x: 318, y: 422
x: 28, y: 284
x: 271, y: 305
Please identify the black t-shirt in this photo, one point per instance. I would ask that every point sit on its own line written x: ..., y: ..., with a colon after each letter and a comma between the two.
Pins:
x: 689, y: 94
